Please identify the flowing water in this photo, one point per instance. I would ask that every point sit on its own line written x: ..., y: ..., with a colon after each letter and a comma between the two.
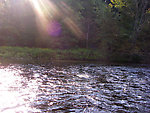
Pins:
x: 79, y: 88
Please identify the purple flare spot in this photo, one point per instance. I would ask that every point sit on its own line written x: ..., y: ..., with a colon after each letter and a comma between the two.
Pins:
x: 54, y: 29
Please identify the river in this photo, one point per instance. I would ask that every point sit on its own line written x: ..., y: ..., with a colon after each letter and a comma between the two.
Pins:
x: 79, y: 88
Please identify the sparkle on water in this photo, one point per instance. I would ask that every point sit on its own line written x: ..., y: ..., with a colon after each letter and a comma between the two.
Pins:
x: 74, y: 88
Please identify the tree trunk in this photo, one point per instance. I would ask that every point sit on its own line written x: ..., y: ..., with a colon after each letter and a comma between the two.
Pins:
x: 87, y: 35
x: 140, y: 18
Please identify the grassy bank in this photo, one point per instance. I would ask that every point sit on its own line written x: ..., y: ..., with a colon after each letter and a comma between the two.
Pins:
x: 44, y: 55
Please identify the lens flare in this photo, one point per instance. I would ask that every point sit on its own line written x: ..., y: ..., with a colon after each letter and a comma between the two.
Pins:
x: 54, y: 29
x: 48, y: 12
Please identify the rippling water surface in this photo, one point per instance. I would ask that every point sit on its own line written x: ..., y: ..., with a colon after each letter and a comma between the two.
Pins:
x: 80, y: 88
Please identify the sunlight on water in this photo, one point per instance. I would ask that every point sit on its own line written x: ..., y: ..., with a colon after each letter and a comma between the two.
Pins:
x: 15, y: 94
x: 83, y: 75
x: 80, y: 89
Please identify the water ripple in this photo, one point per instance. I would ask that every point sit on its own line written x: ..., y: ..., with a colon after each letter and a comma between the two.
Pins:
x: 77, y: 88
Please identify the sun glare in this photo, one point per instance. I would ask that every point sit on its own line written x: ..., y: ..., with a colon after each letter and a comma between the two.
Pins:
x: 47, y: 13
x: 14, y: 96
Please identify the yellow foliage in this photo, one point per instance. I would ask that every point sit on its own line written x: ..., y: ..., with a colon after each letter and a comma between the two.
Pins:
x: 118, y: 3
x: 110, y: 5
x: 148, y: 11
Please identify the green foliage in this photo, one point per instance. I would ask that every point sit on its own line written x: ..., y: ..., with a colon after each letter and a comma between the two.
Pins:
x: 108, y: 29
x: 79, y: 54
x: 42, y: 55
x: 45, y: 55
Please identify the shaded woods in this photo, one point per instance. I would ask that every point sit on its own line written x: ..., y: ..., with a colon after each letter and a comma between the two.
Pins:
x: 118, y: 29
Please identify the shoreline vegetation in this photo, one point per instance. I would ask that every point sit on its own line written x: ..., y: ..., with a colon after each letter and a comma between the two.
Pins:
x: 94, y: 31
x: 10, y: 54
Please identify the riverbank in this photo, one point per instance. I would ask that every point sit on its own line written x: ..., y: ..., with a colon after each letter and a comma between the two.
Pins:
x: 44, y: 55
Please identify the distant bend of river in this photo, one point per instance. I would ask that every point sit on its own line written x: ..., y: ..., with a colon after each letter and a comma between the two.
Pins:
x: 79, y: 88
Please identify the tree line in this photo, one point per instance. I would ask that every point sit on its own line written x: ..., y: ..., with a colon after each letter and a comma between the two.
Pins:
x: 112, y: 26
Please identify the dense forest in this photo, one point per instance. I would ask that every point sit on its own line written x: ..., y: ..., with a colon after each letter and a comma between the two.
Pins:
x: 114, y: 27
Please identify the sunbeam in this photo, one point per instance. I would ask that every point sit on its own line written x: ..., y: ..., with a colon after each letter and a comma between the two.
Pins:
x: 48, y: 13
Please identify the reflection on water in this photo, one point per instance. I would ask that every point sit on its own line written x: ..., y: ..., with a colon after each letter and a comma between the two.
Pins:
x: 16, y: 92
x: 76, y: 88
